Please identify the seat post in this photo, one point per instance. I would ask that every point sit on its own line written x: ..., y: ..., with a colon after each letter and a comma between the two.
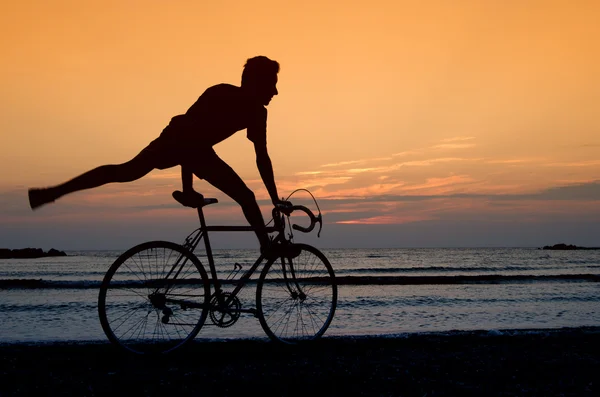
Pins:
x: 201, y: 217
x: 207, y: 243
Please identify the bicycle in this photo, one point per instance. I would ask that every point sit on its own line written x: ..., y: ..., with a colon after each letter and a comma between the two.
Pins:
x: 156, y: 296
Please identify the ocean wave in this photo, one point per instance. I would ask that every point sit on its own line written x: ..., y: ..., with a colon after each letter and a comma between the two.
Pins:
x: 480, y: 333
x: 578, y: 262
x: 401, y: 302
x: 39, y: 283
x: 463, y: 279
x: 441, y: 269
x: 49, y: 307
x: 341, y: 280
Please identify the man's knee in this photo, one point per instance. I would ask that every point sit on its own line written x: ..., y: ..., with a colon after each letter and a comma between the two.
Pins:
x: 131, y: 171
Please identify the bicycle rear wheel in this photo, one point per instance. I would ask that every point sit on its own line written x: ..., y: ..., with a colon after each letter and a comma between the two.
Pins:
x: 296, y: 297
x: 154, y: 298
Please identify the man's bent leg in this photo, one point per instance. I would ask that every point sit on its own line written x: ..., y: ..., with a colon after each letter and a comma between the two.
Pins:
x: 216, y: 172
x: 132, y: 170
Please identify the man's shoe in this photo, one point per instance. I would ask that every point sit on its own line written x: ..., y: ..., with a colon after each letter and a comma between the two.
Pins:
x: 39, y: 197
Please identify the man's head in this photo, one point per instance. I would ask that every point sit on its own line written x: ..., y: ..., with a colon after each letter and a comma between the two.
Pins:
x: 260, y: 78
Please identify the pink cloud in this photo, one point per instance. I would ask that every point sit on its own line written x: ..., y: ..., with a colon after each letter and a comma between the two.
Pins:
x: 386, y: 220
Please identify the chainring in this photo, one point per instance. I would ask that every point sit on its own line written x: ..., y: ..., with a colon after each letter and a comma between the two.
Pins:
x: 224, y: 317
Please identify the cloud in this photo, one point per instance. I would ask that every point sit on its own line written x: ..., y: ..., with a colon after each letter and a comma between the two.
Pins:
x: 436, y: 183
x: 396, y: 202
x: 361, y: 170
x: 373, y: 164
x: 345, y: 175
x: 583, y: 191
x: 458, y: 138
x: 455, y: 143
x: 448, y: 143
x: 428, y: 162
x: 579, y: 192
x: 513, y: 161
x: 407, y: 153
x: 366, y: 190
x: 164, y: 175
x: 350, y: 162
x: 372, y: 190
x: 454, y: 146
x: 569, y: 203
x: 308, y: 173
x: 386, y: 220
x: 587, y: 163
x: 361, y: 161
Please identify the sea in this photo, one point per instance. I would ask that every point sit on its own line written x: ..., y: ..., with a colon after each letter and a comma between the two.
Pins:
x: 381, y: 292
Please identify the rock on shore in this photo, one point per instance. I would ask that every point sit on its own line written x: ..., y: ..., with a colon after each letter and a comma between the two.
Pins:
x: 6, y: 253
x: 562, y: 246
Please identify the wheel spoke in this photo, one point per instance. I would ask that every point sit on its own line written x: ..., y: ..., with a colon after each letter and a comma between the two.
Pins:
x: 299, y: 304
x: 141, y: 319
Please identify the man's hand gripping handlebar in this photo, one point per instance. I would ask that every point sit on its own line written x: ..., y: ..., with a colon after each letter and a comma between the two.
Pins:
x: 287, y: 208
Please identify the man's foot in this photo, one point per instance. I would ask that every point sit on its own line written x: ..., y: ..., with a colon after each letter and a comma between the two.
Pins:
x: 39, y: 197
x: 274, y: 251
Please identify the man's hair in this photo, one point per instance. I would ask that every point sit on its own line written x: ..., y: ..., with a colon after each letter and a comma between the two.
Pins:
x: 259, y: 69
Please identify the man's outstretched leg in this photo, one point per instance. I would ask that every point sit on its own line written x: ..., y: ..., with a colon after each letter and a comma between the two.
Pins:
x: 132, y: 170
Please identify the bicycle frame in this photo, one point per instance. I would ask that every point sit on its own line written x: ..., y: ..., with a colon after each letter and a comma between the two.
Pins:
x: 140, y: 298
x: 193, y: 239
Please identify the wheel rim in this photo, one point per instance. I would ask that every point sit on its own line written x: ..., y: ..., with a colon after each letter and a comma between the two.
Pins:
x: 136, y: 304
x: 300, y: 304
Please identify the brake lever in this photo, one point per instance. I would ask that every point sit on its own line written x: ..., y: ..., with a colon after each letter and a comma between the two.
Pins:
x: 285, y: 207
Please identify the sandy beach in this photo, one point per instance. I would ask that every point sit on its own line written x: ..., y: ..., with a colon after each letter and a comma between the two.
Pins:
x: 563, y: 362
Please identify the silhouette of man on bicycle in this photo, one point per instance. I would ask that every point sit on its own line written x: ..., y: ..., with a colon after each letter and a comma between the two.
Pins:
x: 188, y: 141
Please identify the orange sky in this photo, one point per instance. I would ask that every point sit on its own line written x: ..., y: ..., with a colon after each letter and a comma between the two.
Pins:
x: 455, y: 103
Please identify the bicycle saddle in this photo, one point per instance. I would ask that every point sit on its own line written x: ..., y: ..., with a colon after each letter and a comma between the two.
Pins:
x: 193, y: 200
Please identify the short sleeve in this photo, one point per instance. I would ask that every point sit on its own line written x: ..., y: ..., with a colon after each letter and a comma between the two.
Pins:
x: 257, y: 126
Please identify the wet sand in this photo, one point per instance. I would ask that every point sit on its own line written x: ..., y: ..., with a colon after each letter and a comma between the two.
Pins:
x: 562, y: 362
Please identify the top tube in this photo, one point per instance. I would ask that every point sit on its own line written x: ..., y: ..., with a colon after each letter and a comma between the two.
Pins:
x: 268, y: 229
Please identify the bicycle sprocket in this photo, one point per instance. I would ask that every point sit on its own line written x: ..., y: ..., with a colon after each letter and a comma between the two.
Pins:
x: 225, y: 316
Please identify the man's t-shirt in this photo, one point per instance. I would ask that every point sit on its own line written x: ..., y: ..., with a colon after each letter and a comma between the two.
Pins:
x: 219, y: 112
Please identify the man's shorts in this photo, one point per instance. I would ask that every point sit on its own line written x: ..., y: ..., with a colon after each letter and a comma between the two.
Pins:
x: 173, y: 148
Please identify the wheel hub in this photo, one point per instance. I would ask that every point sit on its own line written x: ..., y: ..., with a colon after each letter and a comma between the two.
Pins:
x: 298, y: 295
x: 158, y: 300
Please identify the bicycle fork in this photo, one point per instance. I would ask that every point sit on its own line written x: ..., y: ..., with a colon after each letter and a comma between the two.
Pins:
x: 295, y: 290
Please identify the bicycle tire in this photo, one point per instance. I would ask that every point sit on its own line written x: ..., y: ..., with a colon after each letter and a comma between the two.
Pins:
x: 297, y: 307
x: 133, y: 301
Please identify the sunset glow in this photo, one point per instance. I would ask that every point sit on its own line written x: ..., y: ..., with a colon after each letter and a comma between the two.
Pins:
x: 389, y: 112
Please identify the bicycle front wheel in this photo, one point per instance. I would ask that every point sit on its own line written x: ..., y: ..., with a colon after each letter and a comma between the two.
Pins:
x: 153, y: 298
x: 296, y: 297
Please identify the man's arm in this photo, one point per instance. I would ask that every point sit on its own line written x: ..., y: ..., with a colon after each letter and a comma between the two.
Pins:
x: 257, y: 133
x: 265, y: 168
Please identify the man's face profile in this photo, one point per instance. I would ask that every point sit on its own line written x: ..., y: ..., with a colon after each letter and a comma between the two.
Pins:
x: 267, y: 90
